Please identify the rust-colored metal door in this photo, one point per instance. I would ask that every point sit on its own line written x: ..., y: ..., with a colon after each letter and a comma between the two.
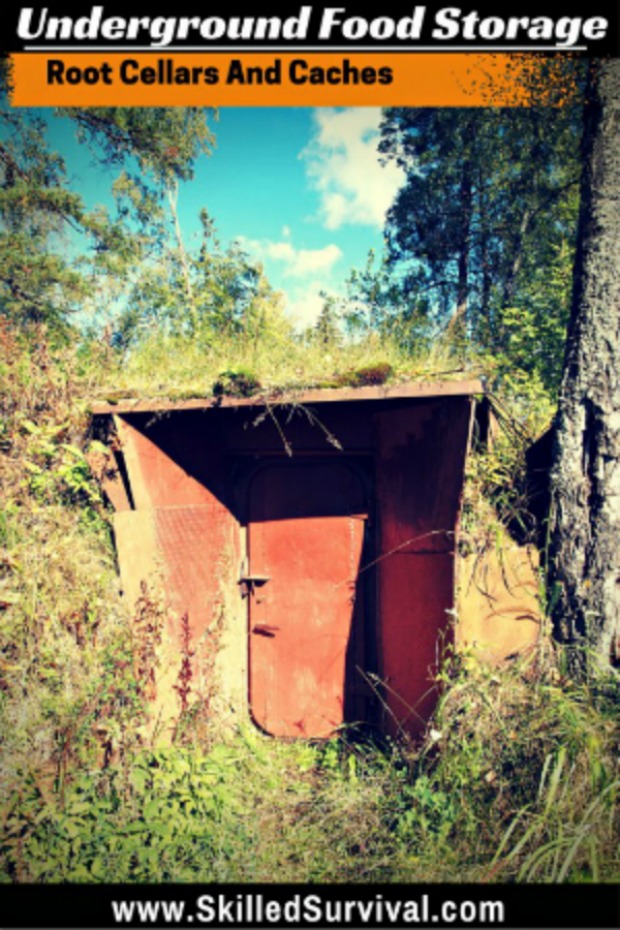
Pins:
x: 306, y: 533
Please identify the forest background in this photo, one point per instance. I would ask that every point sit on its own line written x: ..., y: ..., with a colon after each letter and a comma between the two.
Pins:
x: 517, y: 777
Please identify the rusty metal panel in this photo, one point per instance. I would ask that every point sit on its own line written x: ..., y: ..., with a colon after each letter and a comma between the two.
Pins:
x: 196, y: 535
x: 300, y: 429
x: 419, y: 389
x: 415, y: 593
x: 190, y: 554
x: 200, y: 559
x: 421, y: 455
x: 159, y: 474
x: 307, y: 537
x: 420, y: 472
x: 305, y: 540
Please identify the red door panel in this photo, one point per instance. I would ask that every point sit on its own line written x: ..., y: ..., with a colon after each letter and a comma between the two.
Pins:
x: 305, y: 534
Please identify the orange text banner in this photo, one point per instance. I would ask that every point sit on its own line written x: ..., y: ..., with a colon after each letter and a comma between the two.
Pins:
x: 273, y: 79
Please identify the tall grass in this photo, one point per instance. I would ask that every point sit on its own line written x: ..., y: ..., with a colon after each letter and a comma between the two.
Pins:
x: 516, y: 780
x: 276, y: 358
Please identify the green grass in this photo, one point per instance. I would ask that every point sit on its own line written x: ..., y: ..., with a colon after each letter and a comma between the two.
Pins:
x: 517, y: 779
x: 168, y: 366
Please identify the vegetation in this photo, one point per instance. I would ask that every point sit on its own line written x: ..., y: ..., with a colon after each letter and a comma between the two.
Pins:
x: 517, y: 777
x: 483, y: 230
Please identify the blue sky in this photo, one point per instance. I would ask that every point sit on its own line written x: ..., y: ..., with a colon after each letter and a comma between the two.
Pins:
x: 301, y: 188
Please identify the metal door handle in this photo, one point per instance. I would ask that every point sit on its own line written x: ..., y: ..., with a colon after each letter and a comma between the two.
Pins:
x: 265, y: 630
x: 249, y: 582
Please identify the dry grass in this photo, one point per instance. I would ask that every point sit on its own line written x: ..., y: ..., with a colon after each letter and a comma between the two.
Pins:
x: 176, y: 367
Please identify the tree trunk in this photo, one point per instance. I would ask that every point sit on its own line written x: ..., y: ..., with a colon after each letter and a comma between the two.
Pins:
x: 516, y: 247
x: 585, y: 522
x: 463, y: 262
x: 457, y: 324
x: 173, y: 194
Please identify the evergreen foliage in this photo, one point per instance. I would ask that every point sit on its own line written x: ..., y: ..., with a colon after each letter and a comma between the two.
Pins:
x: 481, y: 235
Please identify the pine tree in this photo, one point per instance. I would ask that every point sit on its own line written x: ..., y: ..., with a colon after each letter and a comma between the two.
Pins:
x: 487, y: 209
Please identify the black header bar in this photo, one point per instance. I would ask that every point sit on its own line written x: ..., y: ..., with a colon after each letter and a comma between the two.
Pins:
x: 586, y: 28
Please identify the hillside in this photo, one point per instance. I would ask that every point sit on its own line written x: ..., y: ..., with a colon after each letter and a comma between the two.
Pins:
x: 515, y: 778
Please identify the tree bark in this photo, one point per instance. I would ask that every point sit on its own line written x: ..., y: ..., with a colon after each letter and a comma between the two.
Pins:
x: 458, y: 321
x: 585, y: 517
x: 516, y: 248
x: 463, y: 262
x: 173, y: 194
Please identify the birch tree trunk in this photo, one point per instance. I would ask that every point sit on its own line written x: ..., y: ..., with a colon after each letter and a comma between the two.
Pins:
x: 585, y: 522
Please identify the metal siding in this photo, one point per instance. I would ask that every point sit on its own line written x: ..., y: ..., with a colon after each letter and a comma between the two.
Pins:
x: 196, y: 534
x: 159, y: 461
x: 420, y: 466
x: 415, y: 593
x: 306, y: 531
x: 200, y: 560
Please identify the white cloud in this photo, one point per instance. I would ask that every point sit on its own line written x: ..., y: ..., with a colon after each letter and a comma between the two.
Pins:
x: 305, y: 304
x: 297, y: 263
x: 310, y: 261
x: 342, y: 163
x: 279, y: 251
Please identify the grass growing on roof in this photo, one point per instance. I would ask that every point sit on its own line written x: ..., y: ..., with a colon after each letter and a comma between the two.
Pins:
x: 276, y: 359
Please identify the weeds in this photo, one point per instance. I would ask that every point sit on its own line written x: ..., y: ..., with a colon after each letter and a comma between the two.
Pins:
x: 517, y: 779
x: 545, y: 845
x: 148, y: 622
x: 514, y: 788
x: 278, y: 360
x: 532, y: 765
x: 183, y: 683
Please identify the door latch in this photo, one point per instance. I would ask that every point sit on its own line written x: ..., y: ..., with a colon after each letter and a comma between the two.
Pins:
x: 264, y: 630
x: 250, y: 582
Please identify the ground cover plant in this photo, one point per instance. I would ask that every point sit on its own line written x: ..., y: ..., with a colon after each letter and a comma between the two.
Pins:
x: 516, y: 779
